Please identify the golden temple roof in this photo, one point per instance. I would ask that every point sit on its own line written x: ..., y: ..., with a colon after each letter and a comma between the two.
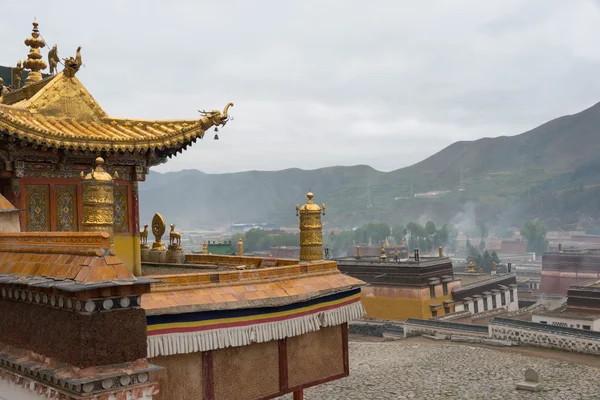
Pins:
x: 59, y: 112
x: 6, y: 205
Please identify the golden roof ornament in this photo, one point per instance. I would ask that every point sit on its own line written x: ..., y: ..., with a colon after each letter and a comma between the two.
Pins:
x: 98, y: 200
x: 53, y: 59
x: 34, y: 60
x: 158, y: 230
x: 471, y: 266
x: 72, y: 64
x: 99, y: 173
x: 311, y: 234
x: 383, y: 253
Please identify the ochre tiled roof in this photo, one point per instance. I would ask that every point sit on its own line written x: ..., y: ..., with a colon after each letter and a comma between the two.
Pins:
x: 266, y: 287
x: 63, y: 114
x: 6, y: 205
x: 81, y: 257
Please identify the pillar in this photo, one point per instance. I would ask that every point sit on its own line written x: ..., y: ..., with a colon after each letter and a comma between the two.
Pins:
x: 441, y: 251
x: 98, y: 200
x: 357, y: 251
x: 240, y: 248
x: 311, y: 234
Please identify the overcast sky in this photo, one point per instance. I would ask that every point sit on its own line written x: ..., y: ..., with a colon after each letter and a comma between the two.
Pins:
x: 322, y: 83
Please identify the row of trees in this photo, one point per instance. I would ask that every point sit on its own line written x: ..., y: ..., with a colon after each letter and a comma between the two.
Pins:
x: 427, y: 238
x: 261, y: 240
x: 535, y: 233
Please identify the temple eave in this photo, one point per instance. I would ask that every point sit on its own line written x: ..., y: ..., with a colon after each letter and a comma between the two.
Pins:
x: 174, y: 140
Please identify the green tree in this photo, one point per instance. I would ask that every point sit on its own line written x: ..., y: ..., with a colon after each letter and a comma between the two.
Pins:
x: 430, y: 228
x: 535, y: 233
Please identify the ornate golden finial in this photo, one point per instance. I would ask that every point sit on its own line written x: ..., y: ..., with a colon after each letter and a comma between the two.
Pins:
x: 34, y: 60
x: 387, y: 244
x: 158, y: 229
x: 311, y: 235
x: 357, y: 251
x: 383, y: 253
x: 204, y: 247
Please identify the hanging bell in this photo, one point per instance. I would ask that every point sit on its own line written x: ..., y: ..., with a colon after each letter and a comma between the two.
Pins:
x: 216, y: 134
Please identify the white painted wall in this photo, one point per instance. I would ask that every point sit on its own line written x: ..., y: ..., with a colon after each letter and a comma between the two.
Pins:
x: 567, y: 322
x: 513, y: 305
x: 10, y: 391
x: 510, y: 305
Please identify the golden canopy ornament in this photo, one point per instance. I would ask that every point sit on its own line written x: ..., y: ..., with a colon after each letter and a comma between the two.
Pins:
x: 311, y: 229
x: 158, y: 230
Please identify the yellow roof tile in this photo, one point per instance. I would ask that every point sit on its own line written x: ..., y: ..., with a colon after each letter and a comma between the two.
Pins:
x: 62, y: 114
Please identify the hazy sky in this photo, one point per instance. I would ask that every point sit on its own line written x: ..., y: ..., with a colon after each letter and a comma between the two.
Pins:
x: 321, y: 83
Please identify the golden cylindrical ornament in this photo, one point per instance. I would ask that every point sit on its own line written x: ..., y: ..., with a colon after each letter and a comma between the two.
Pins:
x: 311, y: 230
x: 98, y: 200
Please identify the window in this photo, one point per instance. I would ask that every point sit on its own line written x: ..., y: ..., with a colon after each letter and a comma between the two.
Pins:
x: 587, y: 327
x: 446, y: 309
x: 432, y: 291
x: 512, y: 295
x: 445, y: 287
x: 466, y: 306
x: 503, y: 297
x: 494, y: 303
x: 434, y: 313
x: 485, y: 304
x: 476, y: 306
x: 543, y: 322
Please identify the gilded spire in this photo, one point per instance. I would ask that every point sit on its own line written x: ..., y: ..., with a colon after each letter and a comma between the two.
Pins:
x: 311, y: 235
x: 383, y: 253
x: 34, y: 60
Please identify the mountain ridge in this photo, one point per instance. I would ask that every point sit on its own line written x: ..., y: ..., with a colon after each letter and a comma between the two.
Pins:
x: 490, y: 170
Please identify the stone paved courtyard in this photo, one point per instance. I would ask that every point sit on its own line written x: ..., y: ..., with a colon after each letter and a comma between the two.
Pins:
x: 416, y: 370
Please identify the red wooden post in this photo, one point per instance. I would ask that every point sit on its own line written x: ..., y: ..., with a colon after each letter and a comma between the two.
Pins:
x: 208, y: 378
x: 299, y: 394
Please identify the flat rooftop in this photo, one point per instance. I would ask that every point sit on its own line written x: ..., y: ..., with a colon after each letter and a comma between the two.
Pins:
x: 421, y: 369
